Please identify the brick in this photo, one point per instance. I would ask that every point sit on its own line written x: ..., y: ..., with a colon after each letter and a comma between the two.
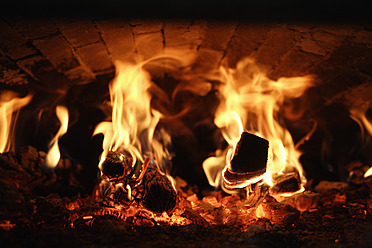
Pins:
x: 247, y: 38
x: 348, y: 54
x: 184, y: 34
x: 197, y: 32
x: 118, y: 38
x: 149, y: 45
x: 320, y: 43
x: 295, y: 63
x: 208, y: 59
x: 176, y: 35
x: 364, y: 63
x: 10, y: 74
x: 355, y: 96
x: 58, y: 51
x: 218, y: 34
x: 12, y: 43
x: 143, y: 26
x: 78, y: 32
x: 35, y: 27
x: 95, y: 57
x: 335, y: 79
x: 337, y: 29
x: 80, y: 75
x: 364, y: 37
x: 279, y: 41
x: 40, y: 68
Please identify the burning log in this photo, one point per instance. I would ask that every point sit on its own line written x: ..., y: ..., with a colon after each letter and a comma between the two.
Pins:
x: 160, y: 195
x: 116, y: 165
x: 249, y: 161
x: 250, y: 154
x: 156, y: 192
x: 286, y: 184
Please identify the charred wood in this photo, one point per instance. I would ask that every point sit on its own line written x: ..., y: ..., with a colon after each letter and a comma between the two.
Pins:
x: 289, y: 183
x: 116, y: 165
x: 160, y: 195
x: 250, y: 154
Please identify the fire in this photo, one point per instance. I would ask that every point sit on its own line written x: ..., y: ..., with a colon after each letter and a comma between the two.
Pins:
x: 133, y: 120
x: 10, y: 105
x: 53, y: 155
x: 359, y: 115
x: 260, y: 213
x: 250, y: 102
x: 133, y: 125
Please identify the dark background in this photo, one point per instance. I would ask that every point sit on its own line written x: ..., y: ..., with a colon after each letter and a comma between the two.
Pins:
x: 306, y: 10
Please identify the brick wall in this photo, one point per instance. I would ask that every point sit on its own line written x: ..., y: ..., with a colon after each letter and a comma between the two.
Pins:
x: 60, y: 52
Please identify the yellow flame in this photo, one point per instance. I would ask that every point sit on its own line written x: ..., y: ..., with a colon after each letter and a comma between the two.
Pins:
x: 251, y: 102
x: 9, y: 105
x: 134, y: 121
x: 260, y: 213
x: 358, y: 114
x: 53, y: 155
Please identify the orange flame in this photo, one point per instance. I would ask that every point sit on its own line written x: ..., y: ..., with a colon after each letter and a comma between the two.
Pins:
x: 53, y: 155
x: 359, y: 116
x: 10, y: 104
x: 134, y: 121
x: 251, y: 102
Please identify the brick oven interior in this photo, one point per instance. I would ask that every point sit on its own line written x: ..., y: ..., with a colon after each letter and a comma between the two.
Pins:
x: 70, y: 60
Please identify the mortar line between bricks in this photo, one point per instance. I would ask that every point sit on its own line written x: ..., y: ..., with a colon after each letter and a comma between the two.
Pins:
x: 30, y: 77
x: 133, y: 37
x: 163, y: 35
x: 228, y: 43
x: 90, y: 43
x: 101, y: 39
x: 46, y: 36
x: 38, y: 53
x: 75, y: 54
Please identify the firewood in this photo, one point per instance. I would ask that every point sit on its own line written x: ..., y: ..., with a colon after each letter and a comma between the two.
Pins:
x: 116, y: 165
x: 249, y: 161
x: 160, y: 195
x: 250, y: 154
x: 286, y: 184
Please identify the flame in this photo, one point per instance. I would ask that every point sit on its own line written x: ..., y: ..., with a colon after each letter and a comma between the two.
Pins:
x: 260, y: 213
x: 53, y: 155
x: 251, y: 102
x: 10, y: 104
x: 134, y: 121
x: 358, y: 114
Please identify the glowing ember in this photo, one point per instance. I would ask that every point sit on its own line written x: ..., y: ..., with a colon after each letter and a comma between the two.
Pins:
x: 53, y: 155
x: 10, y: 104
x: 251, y: 102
